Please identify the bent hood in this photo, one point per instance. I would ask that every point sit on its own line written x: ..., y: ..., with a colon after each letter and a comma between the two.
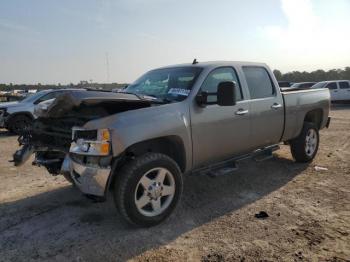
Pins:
x: 77, y: 100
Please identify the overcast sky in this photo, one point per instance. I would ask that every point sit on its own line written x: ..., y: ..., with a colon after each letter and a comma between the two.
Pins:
x: 67, y: 41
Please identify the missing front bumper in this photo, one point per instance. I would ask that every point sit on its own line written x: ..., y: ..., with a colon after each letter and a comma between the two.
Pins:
x: 90, y: 180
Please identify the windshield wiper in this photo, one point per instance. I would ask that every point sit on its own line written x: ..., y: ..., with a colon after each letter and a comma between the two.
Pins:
x: 160, y: 100
x: 144, y: 97
x: 130, y: 93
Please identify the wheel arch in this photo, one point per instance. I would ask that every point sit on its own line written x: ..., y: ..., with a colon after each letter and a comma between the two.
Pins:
x: 172, y: 146
x: 314, y: 116
x: 13, y: 115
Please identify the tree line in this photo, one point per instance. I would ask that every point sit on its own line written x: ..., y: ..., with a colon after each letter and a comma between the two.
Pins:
x: 294, y: 76
x: 314, y: 76
x: 39, y: 86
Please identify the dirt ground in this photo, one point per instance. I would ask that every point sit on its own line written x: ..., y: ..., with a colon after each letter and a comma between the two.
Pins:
x: 44, y: 218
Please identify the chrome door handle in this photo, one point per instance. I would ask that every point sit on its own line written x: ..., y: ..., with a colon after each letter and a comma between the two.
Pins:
x: 241, y: 112
x: 276, y: 106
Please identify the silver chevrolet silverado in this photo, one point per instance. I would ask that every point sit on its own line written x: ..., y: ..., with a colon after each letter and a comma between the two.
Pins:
x: 199, y: 118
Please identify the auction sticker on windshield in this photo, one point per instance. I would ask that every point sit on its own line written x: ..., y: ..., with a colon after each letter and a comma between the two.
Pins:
x: 179, y: 91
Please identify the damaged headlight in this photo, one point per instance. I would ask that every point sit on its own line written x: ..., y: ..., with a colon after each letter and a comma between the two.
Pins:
x: 91, y: 142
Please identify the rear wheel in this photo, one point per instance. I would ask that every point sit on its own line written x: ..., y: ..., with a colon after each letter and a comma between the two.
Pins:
x: 19, y: 124
x: 148, y: 189
x: 304, y: 147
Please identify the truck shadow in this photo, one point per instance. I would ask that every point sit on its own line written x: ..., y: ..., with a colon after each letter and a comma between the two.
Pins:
x: 63, y: 223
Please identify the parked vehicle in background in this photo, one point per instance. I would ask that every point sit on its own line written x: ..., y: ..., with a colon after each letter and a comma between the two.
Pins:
x: 339, y: 89
x: 11, y: 97
x: 302, y: 85
x: 198, y: 118
x: 298, y: 86
x: 18, y: 116
x: 285, y: 83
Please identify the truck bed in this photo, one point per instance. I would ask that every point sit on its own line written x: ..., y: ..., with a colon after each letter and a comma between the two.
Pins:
x: 298, y: 103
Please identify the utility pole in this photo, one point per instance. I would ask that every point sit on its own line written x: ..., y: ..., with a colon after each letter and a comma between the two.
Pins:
x: 107, y: 67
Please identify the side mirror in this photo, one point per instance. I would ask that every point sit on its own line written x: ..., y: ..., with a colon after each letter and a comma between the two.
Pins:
x: 226, y: 94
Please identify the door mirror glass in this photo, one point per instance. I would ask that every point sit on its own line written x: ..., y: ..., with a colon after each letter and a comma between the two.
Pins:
x: 226, y: 94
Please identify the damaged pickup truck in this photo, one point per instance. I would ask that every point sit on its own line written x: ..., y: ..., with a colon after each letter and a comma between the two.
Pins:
x: 185, y: 119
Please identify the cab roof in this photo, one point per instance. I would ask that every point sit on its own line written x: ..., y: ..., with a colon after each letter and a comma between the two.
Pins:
x: 213, y: 64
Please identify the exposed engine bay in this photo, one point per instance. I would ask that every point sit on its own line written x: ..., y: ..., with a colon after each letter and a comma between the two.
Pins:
x: 51, y: 136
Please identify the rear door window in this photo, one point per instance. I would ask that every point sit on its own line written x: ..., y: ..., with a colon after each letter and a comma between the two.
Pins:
x: 332, y: 86
x: 344, y: 85
x: 259, y: 82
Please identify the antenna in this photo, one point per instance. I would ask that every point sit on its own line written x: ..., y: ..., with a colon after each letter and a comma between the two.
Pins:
x: 194, y: 61
x: 107, y: 67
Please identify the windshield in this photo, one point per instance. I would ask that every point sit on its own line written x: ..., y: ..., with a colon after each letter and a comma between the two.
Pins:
x: 169, y: 84
x: 295, y: 85
x: 34, y: 97
x: 303, y: 85
x: 319, y: 85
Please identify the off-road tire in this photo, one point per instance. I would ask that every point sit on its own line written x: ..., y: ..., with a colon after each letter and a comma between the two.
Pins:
x: 298, y: 145
x: 19, y: 124
x: 126, y: 183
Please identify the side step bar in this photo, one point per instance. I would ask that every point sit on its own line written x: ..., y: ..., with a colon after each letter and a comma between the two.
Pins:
x: 229, y: 166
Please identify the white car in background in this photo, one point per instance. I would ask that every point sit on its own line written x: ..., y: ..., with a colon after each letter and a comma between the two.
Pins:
x: 302, y: 85
x: 339, y: 89
x: 18, y: 116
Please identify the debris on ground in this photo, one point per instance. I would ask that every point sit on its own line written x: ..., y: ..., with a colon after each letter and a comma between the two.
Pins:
x: 261, y: 215
x: 320, y: 168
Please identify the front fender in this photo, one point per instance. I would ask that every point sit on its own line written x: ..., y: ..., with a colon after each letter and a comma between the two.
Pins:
x: 131, y: 127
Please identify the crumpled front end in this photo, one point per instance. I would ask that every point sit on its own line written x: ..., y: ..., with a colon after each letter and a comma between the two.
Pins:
x: 86, y: 157
x: 90, y: 179
x: 89, y: 160
x: 62, y: 144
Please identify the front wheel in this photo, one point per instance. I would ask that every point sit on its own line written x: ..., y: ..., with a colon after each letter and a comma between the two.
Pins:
x: 304, y: 147
x: 147, y: 189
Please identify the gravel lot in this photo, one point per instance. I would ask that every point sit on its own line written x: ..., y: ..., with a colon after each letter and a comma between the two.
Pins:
x: 44, y: 218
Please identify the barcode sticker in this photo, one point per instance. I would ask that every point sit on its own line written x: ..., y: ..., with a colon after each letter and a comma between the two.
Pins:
x: 179, y: 91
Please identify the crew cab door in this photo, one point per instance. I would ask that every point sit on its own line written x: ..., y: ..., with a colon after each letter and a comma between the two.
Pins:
x: 267, y: 109
x: 219, y: 132
x: 333, y: 90
x: 344, y: 90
